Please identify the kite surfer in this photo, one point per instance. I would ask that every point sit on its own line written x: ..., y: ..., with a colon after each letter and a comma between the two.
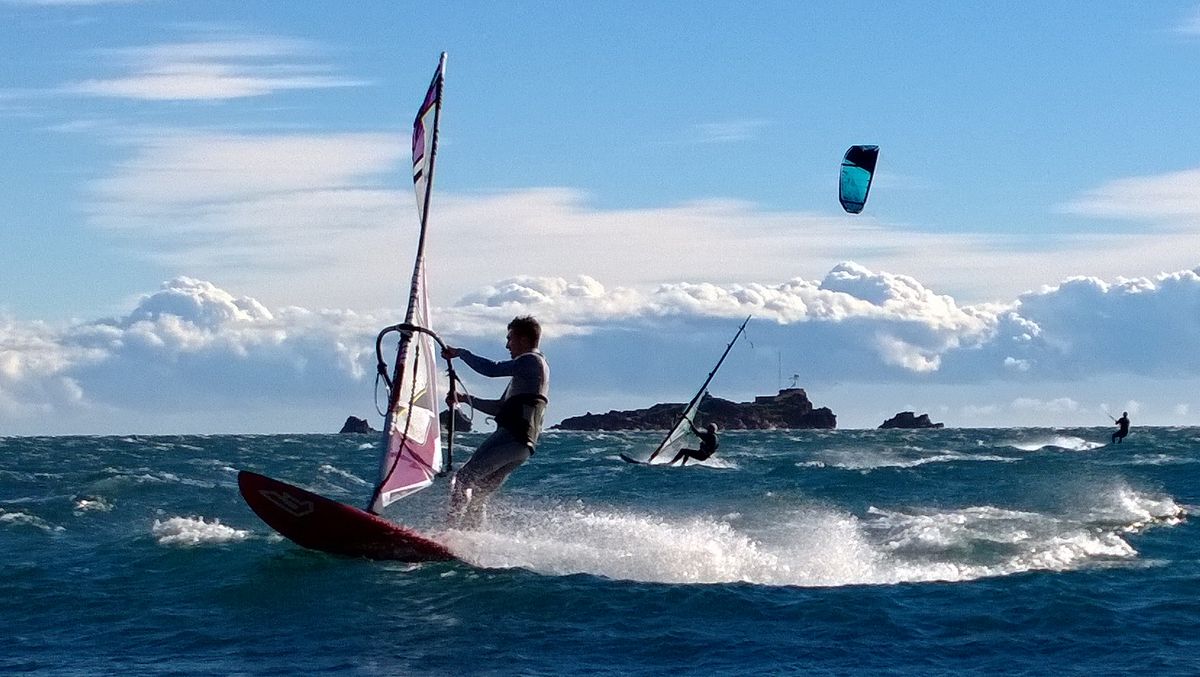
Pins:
x: 1122, y: 427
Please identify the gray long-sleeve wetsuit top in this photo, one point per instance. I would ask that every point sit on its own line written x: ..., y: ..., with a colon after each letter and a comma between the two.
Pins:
x: 530, y: 379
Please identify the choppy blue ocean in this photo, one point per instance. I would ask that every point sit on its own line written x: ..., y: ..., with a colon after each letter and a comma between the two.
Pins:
x: 943, y: 552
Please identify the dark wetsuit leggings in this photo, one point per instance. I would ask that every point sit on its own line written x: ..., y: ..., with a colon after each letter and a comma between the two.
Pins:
x: 700, y: 454
x: 490, y: 465
x: 708, y: 447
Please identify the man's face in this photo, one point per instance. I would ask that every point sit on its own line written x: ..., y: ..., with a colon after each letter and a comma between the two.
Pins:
x: 515, y: 344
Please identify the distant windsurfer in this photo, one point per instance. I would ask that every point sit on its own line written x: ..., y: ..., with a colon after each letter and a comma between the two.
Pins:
x: 708, y: 445
x: 1122, y: 428
x: 518, y: 413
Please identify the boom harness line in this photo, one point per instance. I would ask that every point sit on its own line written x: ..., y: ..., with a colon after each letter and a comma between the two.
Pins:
x: 455, y: 382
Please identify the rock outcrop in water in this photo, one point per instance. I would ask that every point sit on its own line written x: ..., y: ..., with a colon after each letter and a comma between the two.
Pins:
x: 789, y: 409
x: 907, y: 419
x: 462, y: 424
x: 355, y: 425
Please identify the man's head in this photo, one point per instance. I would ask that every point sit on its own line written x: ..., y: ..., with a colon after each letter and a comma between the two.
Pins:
x: 712, y: 427
x: 1124, y: 413
x: 524, y: 334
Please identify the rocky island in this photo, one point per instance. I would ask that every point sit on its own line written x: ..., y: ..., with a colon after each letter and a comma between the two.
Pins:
x: 907, y: 419
x: 788, y: 409
x: 356, y: 425
x: 462, y: 424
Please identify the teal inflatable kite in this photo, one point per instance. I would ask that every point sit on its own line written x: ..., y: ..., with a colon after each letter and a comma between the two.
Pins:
x: 858, y: 167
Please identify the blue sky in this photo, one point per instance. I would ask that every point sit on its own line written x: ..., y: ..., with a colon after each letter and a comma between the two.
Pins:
x: 1027, y: 257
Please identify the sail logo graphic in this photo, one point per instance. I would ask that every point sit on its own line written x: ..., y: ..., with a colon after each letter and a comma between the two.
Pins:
x: 288, y: 503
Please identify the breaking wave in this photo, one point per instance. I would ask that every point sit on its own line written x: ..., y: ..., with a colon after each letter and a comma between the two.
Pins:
x: 188, y: 531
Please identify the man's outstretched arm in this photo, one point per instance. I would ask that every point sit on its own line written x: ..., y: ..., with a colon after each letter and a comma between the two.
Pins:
x: 486, y: 367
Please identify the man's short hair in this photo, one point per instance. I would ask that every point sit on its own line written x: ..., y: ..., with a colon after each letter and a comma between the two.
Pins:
x: 527, y: 327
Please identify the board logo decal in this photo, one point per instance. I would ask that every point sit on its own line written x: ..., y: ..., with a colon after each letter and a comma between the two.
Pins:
x: 287, y: 503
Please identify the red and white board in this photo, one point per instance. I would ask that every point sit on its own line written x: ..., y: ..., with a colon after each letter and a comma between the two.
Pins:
x: 320, y: 523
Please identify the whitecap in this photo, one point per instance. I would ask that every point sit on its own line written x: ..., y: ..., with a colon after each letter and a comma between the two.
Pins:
x: 721, y: 462
x: 195, y: 531
x: 91, y: 504
x: 1068, y: 442
x: 331, y: 470
x: 1158, y: 459
x: 21, y: 519
x: 1132, y: 510
x: 871, y: 459
x: 991, y: 541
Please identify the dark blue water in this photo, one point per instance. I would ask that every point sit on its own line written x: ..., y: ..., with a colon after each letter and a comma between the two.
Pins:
x: 802, y: 552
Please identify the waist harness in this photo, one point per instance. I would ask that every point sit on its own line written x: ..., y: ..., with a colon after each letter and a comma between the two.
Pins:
x: 522, y: 415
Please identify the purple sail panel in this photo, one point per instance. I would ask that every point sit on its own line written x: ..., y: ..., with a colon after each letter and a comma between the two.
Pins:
x: 424, y: 142
x: 414, y: 453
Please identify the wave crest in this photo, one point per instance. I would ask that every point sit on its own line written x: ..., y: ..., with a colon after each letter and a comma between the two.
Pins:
x: 195, y: 531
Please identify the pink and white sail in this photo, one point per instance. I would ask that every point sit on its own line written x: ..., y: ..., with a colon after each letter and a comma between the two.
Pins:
x: 413, y: 454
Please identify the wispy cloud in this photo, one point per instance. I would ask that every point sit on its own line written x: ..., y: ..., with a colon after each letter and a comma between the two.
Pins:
x: 1172, y: 198
x: 978, y: 411
x: 216, y: 69
x: 197, y: 169
x: 1058, y: 405
x: 305, y: 218
x: 1190, y: 25
x: 306, y: 210
x: 728, y: 131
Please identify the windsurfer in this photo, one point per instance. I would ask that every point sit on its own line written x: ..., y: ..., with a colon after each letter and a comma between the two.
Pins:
x: 708, y: 445
x: 1122, y: 428
x: 518, y: 413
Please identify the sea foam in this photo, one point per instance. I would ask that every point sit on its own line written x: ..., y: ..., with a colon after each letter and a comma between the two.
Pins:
x: 1068, y: 442
x: 813, y: 546
x: 21, y: 519
x: 195, y: 531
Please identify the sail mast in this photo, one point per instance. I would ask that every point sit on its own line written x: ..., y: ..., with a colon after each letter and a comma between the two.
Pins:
x: 412, y: 449
x: 700, y: 393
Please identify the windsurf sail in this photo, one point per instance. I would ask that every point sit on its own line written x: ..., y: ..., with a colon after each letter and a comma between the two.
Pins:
x: 858, y: 168
x: 413, y: 454
x: 677, y: 435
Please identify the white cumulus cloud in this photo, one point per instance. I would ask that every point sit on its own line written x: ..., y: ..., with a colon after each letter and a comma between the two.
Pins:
x: 1147, y: 326
x: 201, y: 358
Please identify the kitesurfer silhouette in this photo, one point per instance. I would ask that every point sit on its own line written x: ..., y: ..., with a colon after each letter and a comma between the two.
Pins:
x: 1122, y: 427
